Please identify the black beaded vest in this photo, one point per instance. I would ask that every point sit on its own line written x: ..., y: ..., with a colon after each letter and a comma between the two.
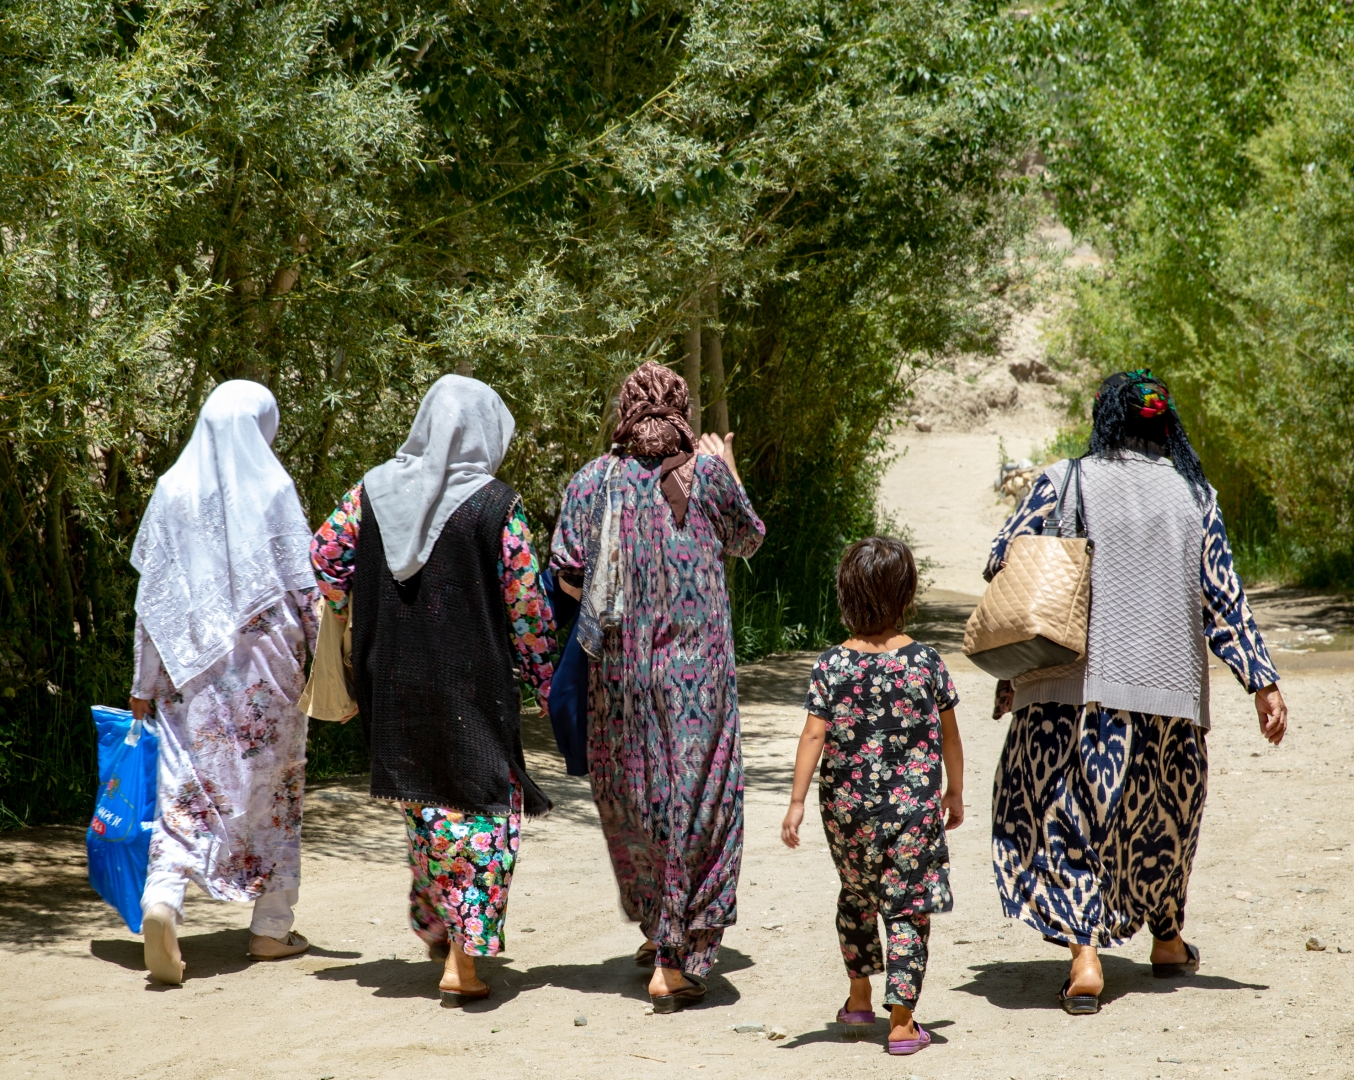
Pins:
x: 434, y: 667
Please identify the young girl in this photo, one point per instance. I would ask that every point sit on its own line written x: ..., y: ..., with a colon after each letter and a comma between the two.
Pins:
x: 883, y: 705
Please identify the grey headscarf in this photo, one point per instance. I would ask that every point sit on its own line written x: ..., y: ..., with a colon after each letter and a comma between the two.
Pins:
x: 457, y: 443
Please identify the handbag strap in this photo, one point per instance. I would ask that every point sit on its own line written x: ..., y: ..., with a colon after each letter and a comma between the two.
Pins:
x: 1055, y: 519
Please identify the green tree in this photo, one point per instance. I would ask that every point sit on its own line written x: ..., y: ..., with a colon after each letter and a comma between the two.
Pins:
x: 1157, y: 147
x: 346, y: 200
x: 189, y: 192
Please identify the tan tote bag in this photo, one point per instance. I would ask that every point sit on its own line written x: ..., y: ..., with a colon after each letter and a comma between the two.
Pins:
x: 329, y: 691
x: 1035, y: 612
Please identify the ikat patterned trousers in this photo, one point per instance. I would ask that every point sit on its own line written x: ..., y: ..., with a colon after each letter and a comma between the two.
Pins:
x: 1095, y: 821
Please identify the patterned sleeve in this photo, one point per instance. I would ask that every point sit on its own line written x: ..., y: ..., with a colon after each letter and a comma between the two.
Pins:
x: 726, y: 504
x: 946, y: 695
x: 1027, y: 520
x: 529, y: 612
x: 818, y: 701
x: 304, y: 602
x: 334, y: 547
x: 1228, y: 622
x: 573, y: 531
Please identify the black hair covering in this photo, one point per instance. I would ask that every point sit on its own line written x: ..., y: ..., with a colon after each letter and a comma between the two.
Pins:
x: 1135, y: 407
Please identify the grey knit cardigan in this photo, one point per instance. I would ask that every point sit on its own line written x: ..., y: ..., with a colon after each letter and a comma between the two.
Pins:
x: 1145, y: 649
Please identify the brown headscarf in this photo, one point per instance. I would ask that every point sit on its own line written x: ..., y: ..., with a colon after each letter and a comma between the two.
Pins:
x: 654, y: 407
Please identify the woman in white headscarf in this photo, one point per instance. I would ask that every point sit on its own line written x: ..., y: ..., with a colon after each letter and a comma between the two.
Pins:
x: 225, y: 622
x: 434, y: 556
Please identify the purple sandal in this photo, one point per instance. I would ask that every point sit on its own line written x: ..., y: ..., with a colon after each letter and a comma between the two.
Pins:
x: 903, y: 1047
x: 860, y: 1018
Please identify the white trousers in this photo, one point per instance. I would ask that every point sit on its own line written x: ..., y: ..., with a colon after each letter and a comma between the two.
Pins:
x: 273, y: 915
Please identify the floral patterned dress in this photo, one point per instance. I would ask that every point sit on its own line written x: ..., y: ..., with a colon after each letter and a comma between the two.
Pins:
x: 663, y: 752
x: 232, y: 764
x: 879, y: 792
x: 462, y: 864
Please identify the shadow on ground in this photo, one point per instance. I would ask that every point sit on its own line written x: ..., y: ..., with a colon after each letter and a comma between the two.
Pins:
x: 940, y: 617
x: 221, y: 952
x: 618, y: 977
x: 1033, y: 984
x: 779, y: 679
x: 839, y: 1033
x: 44, y: 888
x: 1273, y: 605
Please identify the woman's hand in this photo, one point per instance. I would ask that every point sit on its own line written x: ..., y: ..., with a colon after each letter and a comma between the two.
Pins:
x: 714, y: 446
x: 140, y: 707
x: 789, y: 828
x: 1273, y: 713
x: 952, y: 805
x: 1005, y: 699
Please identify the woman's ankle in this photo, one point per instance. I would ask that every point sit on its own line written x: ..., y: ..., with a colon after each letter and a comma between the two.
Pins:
x: 1169, y: 949
x: 667, y: 980
x: 901, y: 1022
x: 1086, y: 977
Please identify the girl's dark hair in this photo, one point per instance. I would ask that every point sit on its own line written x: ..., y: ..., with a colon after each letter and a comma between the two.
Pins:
x: 1135, y: 407
x: 876, y: 584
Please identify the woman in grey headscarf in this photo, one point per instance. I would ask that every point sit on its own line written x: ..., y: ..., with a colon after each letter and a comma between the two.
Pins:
x: 429, y: 549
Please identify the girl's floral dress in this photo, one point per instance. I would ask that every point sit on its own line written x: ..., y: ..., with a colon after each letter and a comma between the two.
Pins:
x: 232, y: 763
x: 879, y: 792
x: 462, y: 863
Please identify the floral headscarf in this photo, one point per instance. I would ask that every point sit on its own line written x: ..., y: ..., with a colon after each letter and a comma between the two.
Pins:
x: 654, y: 407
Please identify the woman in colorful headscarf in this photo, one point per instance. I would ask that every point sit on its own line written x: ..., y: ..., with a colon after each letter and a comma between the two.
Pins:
x: 225, y: 622
x: 642, y: 535
x: 434, y: 555
x: 1100, y: 790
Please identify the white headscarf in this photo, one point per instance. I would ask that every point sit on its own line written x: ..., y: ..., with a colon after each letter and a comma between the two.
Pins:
x: 457, y: 443
x: 223, y: 537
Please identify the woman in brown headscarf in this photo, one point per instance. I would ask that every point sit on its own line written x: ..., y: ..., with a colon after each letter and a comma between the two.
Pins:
x: 642, y: 534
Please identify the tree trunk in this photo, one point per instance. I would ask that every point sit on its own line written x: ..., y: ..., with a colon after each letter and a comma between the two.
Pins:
x: 691, y: 367
x: 713, y: 348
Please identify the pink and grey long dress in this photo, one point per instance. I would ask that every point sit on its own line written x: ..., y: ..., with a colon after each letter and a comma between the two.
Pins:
x: 664, y: 753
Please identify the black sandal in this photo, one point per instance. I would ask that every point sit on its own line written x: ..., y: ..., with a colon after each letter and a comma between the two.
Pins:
x: 454, y: 999
x: 645, y: 954
x: 1176, y: 971
x: 679, y: 999
x: 1078, y: 1004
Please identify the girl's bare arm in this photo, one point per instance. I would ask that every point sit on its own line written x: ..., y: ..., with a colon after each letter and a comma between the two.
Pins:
x: 806, y: 761
x: 952, y: 752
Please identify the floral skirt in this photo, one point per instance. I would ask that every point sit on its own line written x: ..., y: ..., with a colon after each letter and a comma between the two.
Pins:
x: 462, y: 866
x: 1095, y: 821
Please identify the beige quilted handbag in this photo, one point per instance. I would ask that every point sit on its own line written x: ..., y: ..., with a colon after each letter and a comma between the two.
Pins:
x: 329, y: 690
x: 1034, y: 613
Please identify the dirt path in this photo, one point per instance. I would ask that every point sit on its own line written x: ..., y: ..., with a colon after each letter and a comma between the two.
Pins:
x: 1275, y: 868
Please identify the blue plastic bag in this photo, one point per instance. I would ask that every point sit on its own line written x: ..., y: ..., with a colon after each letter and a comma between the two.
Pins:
x: 569, y: 687
x: 118, y: 838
